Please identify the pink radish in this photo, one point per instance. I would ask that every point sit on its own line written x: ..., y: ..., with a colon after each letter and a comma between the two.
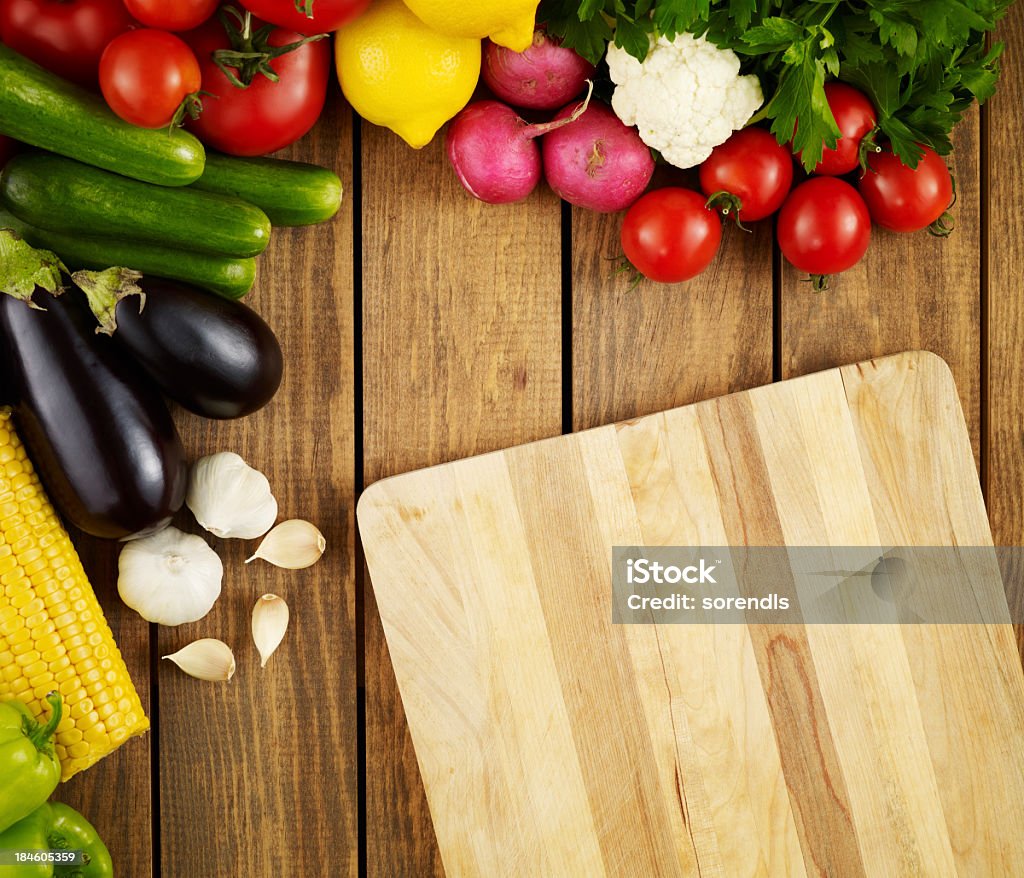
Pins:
x: 543, y: 77
x: 493, y: 150
x: 597, y: 162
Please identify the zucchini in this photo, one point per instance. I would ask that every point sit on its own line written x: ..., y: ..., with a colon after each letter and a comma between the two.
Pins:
x: 40, y: 108
x: 62, y: 195
x: 290, y: 193
x: 231, y: 278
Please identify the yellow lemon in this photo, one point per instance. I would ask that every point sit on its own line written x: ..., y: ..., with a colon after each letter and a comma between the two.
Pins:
x: 507, y: 22
x: 397, y: 72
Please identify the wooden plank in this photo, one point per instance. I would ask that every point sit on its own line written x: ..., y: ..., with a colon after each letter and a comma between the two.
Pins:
x: 854, y: 770
x: 1004, y: 255
x: 461, y: 354
x: 652, y: 347
x: 124, y: 821
x: 909, y: 292
x: 941, y: 655
x: 719, y: 732
x: 259, y: 777
x: 807, y: 750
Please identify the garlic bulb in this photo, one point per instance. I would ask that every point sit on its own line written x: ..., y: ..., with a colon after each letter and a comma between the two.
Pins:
x: 206, y: 659
x: 269, y: 624
x: 293, y: 544
x: 229, y: 498
x: 169, y: 577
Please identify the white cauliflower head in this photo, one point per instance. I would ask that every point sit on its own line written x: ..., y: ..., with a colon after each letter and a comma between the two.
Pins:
x: 685, y: 98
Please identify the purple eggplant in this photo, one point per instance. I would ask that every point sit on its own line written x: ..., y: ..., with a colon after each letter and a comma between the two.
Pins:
x: 213, y: 356
x: 99, y: 434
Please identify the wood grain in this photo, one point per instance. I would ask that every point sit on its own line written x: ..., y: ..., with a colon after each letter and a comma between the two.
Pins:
x: 910, y: 292
x: 258, y: 777
x: 1005, y: 255
x: 124, y: 821
x: 807, y: 752
x: 655, y: 346
x: 546, y: 734
x: 461, y: 354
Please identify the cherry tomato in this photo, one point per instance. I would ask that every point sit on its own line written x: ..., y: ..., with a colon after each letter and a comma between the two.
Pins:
x: 906, y: 199
x: 752, y: 170
x: 8, y: 148
x: 65, y: 36
x: 670, y: 236
x: 327, y: 15
x: 172, y: 14
x: 824, y: 227
x: 145, y: 75
x: 264, y: 116
x: 855, y: 116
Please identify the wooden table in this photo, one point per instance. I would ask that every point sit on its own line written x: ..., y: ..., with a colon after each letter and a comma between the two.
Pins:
x: 423, y: 326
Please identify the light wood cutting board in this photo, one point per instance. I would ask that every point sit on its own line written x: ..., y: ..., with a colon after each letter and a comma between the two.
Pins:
x: 552, y: 742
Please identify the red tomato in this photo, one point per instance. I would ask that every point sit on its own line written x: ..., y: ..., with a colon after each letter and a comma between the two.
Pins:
x: 752, y: 170
x: 65, y: 36
x: 8, y: 148
x: 670, y: 236
x: 145, y: 75
x: 855, y: 116
x: 172, y: 14
x: 824, y: 226
x: 327, y: 15
x: 266, y: 115
x: 906, y: 199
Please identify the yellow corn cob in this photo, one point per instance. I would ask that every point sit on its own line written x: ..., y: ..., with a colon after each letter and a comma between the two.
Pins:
x: 52, y: 632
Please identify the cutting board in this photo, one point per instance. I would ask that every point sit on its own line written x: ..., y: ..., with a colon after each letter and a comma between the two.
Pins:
x: 554, y: 743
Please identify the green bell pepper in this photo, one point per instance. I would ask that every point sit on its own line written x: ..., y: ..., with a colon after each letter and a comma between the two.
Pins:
x: 55, y: 831
x: 29, y: 767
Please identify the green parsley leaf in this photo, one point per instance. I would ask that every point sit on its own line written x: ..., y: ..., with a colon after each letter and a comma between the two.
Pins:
x: 799, y: 109
x: 632, y: 37
x: 772, y: 35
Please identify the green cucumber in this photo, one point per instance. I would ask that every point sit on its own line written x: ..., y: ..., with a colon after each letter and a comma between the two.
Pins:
x: 40, y: 108
x: 62, y: 195
x: 290, y: 193
x: 230, y: 278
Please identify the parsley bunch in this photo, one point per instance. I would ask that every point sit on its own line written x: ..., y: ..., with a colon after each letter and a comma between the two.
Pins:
x: 922, y: 62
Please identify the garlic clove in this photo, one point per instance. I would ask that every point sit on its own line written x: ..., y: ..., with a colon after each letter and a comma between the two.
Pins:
x: 169, y: 577
x: 269, y: 624
x: 229, y: 498
x: 293, y: 544
x: 206, y: 659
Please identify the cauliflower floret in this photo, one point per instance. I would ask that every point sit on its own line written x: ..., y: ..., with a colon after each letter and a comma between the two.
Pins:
x: 685, y: 98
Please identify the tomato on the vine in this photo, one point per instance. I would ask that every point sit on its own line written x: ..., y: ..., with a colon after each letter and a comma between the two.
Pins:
x: 824, y: 227
x: 307, y: 16
x: 856, y: 118
x: 149, y: 77
x: 750, y: 174
x: 172, y: 14
x: 669, y: 235
x: 904, y: 199
x: 64, y: 36
x: 264, y: 87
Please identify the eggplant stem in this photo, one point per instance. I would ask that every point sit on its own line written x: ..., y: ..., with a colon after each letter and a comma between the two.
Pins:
x: 104, y: 289
x: 23, y: 268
